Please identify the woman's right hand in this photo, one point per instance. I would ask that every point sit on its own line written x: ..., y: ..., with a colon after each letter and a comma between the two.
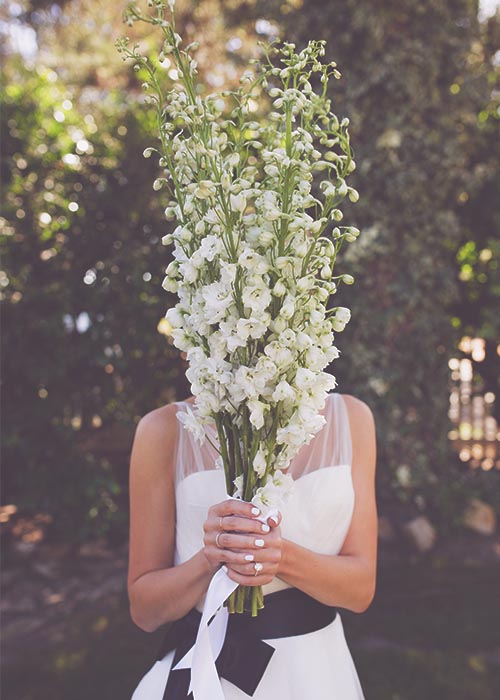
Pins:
x: 233, y: 534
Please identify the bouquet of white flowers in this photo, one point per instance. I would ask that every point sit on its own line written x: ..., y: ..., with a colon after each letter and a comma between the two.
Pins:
x: 258, y: 230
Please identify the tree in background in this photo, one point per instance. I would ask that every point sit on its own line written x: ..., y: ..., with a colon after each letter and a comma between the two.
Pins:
x: 82, y: 296
x: 83, y: 265
x: 476, y: 314
x: 416, y: 82
x: 86, y: 349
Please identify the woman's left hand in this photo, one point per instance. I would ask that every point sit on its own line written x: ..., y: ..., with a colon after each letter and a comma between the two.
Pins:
x: 266, y: 559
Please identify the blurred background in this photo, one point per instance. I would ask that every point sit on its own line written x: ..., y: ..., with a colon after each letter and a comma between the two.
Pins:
x: 87, y: 351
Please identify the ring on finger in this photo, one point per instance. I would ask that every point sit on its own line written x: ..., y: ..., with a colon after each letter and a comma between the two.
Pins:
x: 217, y: 540
x: 221, y: 522
x: 257, y: 567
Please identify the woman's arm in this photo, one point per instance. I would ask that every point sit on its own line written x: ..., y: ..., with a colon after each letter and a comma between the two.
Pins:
x: 348, y: 579
x: 158, y: 592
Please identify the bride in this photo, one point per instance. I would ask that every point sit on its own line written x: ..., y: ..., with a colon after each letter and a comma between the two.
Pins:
x: 318, y: 555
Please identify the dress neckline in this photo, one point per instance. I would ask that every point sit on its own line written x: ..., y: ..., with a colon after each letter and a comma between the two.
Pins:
x: 212, y: 425
x: 212, y: 428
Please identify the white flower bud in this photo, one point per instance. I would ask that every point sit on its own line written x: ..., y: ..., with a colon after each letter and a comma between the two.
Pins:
x: 351, y: 234
x: 266, y: 238
x: 301, y: 249
x: 342, y: 189
x: 304, y: 283
x: 259, y: 462
x: 271, y: 170
x: 233, y: 159
x: 282, y: 261
x: 316, y: 226
x: 303, y: 341
x: 205, y: 189
x: 279, y: 325
x: 174, y: 317
x: 341, y: 318
x: 328, y: 188
x: 279, y: 289
x: 288, y: 308
x: 172, y: 268
x: 238, y: 202
x: 170, y: 285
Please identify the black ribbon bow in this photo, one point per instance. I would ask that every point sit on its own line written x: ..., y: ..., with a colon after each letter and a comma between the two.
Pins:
x: 244, y: 656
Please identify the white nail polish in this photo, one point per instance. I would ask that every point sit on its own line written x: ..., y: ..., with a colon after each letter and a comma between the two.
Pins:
x: 259, y: 543
x: 249, y: 557
x: 255, y: 511
x: 274, y: 518
x: 265, y: 527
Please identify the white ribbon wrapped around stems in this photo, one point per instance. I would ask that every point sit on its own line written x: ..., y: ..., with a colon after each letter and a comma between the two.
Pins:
x: 205, y: 682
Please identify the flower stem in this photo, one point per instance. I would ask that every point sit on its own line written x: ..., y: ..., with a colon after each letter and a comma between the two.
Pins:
x: 246, y: 599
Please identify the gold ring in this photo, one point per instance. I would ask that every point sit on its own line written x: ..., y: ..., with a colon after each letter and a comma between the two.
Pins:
x: 217, y: 540
x: 221, y: 524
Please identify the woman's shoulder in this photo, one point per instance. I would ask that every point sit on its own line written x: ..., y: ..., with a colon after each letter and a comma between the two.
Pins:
x: 152, y: 449
x: 157, y: 417
x: 361, y: 418
x: 362, y: 427
x: 357, y: 408
x: 158, y: 426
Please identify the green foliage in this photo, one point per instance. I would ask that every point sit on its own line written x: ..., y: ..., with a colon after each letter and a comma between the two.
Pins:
x: 416, y: 89
x: 421, y: 92
x: 81, y: 293
x: 476, y: 312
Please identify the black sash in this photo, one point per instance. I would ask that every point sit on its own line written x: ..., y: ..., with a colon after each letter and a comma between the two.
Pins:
x: 244, y: 656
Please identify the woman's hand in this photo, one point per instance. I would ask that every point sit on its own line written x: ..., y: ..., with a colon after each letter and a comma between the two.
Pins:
x: 235, y: 537
x: 267, y: 558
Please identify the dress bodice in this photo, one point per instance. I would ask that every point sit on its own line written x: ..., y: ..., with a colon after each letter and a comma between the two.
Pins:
x: 318, y: 513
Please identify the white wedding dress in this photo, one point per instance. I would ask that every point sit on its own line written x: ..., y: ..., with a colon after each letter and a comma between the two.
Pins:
x: 313, y: 666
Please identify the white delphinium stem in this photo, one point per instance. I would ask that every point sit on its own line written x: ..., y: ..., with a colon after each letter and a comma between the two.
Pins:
x: 258, y: 232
